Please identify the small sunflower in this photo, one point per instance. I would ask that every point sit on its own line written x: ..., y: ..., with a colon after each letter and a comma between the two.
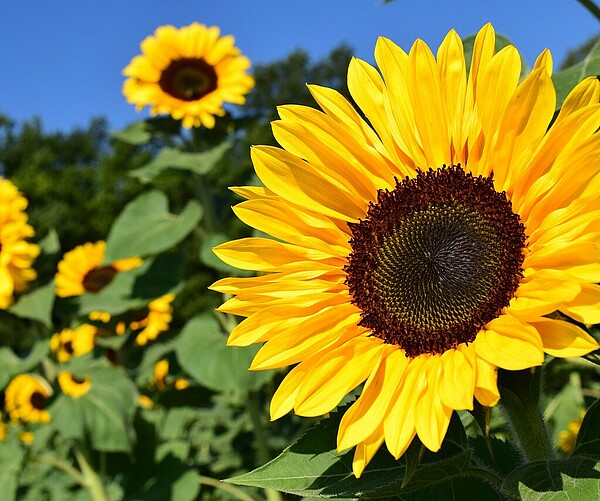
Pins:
x: 73, y: 386
x: 25, y: 399
x: 27, y: 437
x: 70, y: 343
x: 188, y: 73
x: 3, y: 431
x: 161, y: 370
x: 452, y: 232
x: 83, y: 270
x: 154, y: 320
x: 16, y: 254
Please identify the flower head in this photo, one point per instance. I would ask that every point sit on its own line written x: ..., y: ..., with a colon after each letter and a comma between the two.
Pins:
x: 83, y: 270
x: 70, y: 343
x: 188, y: 73
x: 73, y: 386
x: 16, y: 254
x: 423, y: 248
x: 25, y: 399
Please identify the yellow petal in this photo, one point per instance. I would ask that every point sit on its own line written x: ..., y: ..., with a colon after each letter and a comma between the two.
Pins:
x: 585, y: 308
x: 432, y: 417
x: 583, y: 94
x: 366, y: 450
x: 399, y: 424
x: 564, y: 339
x: 293, y: 179
x: 431, y: 116
x: 509, y: 344
x: 457, y: 380
x: 486, y: 385
x: 366, y: 415
x: 337, y: 373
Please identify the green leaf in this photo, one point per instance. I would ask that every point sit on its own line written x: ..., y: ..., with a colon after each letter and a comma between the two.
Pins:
x: 12, y: 364
x: 11, y: 457
x: 567, y: 79
x: 50, y: 244
x: 105, y: 413
x: 36, y: 305
x: 171, y: 158
x: 574, y: 478
x: 566, y: 406
x: 320, y: 471
x: 588, y: 438
x: 203, y: 354
x: 147, y: 227
x: 501, y: 42
x: 141, y: 132
x: 208, y: 257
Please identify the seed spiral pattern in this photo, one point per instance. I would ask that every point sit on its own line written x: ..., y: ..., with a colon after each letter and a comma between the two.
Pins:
x: 435, y: 260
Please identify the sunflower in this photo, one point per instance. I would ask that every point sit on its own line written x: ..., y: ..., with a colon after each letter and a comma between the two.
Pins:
x: 70, y: 343
x: 154, y: 320
x: 73, y: 386
x: 83, y: 270
x: 568, y: 437
x: 451, y: 233
x: 25, y: 399
x: 188, y: 73
x: 16, y: 254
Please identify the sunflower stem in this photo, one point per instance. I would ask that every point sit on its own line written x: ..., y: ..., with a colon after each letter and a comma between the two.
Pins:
x: 231, y: 489
x: 204, y: 191
x: 591, y: 7
x: 93, y: 482
x: 520, y: 398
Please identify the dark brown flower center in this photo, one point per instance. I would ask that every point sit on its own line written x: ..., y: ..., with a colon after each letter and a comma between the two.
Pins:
x: 95, y: 280
x: 68, y: 347
x: 188, y: 79
x: 38, y: 400
x: 435, y: 260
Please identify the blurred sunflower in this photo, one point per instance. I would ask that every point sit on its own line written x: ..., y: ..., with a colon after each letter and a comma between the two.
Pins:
x: 188, y: 73
x: 70, y: 343
x: 73, y: 386
x: 567, y: 438
x: 422, y: 248
x: 25, y: 399
x: 83, y: 270
x: 153, y: 320
x: 3, y: 430
x: 16, y: 254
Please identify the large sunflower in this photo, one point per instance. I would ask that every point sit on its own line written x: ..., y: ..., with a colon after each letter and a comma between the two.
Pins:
x: 451, y: 233
x: 16, y: 254
x: 188, y: 73
x: 83, y: 270
x: 25, y: 399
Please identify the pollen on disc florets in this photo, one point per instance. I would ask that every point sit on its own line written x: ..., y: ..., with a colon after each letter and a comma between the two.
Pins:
x: 435, y: 259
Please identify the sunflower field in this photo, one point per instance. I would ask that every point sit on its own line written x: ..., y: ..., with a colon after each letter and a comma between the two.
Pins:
x: 383, y: 284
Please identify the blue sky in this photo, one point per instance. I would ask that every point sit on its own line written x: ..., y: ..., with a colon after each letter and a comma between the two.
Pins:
x: 62, y: 59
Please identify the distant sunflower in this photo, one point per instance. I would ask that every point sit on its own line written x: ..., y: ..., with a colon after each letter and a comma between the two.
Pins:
x: 188, y: 73
x: 70, y: 343
x: 568, y: 437
x: 83, y: 270
x: 25, y: 399
x: 73, y: 386
x: 16, y: 254
x: 451, y: 233
x: 153, y: 320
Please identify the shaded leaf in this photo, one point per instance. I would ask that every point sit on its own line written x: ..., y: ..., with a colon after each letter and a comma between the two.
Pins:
x: 36, y: 305
x: 50, y: 244
x: 12, y: 364
x: 202, y: 353
x: 141, y: 132
x: 147, y: 227
x: 321, y: 471
x: 574, y: 478
x: 171, y: 158
x: 565, y: 80
x: 588, y: 438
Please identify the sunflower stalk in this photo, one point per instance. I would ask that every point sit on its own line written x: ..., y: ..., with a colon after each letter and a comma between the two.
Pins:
x: 204, y: 188
x: 93, y: 482
x: 520, y: 398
